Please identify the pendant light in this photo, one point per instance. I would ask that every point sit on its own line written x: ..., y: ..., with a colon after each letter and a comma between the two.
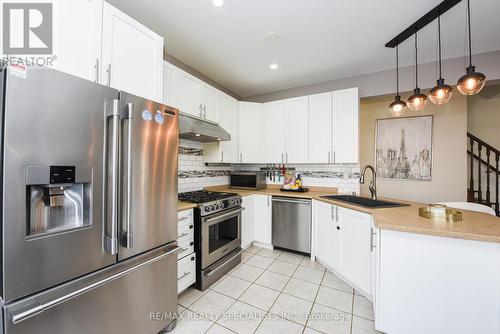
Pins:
x: 441, y: 93
x: 417, y: 101
x: 472, y: 82
x: 396, y: 108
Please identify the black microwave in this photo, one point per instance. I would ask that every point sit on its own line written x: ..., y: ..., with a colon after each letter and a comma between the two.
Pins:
x: 248, y: 180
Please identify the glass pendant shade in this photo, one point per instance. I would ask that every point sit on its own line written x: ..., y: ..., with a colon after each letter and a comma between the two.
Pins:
x: 417, y: 101
x: 397, y: 107
x: 472, y: 82
x: 441, y: 93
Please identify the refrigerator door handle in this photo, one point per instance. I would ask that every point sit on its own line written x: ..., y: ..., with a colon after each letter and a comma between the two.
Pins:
x: 21, y: 313
x: 111, y: 179
x: 127, y: 233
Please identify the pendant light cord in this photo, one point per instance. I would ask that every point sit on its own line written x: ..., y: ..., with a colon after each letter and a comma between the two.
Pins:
x: 416, y: 61
x: 470, y: 39
x: 397, y: 69
x: 439, y: 41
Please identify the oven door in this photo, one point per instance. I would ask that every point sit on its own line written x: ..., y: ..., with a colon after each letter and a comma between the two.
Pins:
x: 221, y: 234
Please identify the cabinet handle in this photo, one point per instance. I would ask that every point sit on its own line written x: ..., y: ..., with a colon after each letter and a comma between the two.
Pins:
x: 201, y: 110
x: 109, y: 75
x: 185, y: 274
x: 338, y: 227
x: 96, y: 66
x: 222, y: 156
x: 241, y: 157
x: 191, y: 243
x: 337, y: 214
x: 333, y: 218
x: 334, y: 157
x: 282, y: 158
x: 286, y: 155
x: 204, y: 111
x: 182, y: 235
x: 267, y: 200
x: 190, y: 227
x: 329, y: 156
x: 372, y: 234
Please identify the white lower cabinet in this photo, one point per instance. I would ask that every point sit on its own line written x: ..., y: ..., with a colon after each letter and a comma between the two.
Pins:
x: 343, y: 241
x: 186, y: 259
x: 247, y: 221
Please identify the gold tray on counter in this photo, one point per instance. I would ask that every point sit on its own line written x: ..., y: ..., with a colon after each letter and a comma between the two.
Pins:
x: 440, y: 213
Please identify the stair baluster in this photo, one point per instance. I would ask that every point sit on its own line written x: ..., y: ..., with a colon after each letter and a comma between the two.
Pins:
x: 480, y: 191
x: 497, y: 203
x: 488, y: 194
x: 471, y: 183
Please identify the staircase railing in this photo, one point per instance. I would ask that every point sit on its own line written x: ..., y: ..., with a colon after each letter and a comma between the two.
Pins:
x: 491, y: 162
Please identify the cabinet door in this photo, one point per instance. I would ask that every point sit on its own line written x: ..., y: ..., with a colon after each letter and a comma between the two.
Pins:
x: 346, y: 125
x: 320, y: 128
x: 132, y: 55
x: 296, y: 130
x: 327, y: 241
x: 77, y: 37
x: 247, y: 221
x: 189, y: 93
x: 273, y: 132
x: 170, y: 85
x: 263, y: 228
x: 209, y: 100
x: 356, y: 253
x: 250, y: 115
x: 227, y: 116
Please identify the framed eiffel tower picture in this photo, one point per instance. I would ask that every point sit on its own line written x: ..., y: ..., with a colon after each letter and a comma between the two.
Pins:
x: 403, y: 148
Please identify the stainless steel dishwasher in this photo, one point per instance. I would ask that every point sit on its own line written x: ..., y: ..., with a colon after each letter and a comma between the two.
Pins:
x: 292, y: 223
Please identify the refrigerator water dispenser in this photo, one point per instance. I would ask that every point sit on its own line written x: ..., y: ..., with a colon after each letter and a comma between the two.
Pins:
x: 58, y: 199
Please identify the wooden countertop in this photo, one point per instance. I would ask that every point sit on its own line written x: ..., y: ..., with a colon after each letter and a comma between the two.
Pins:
x: 474, y: 225
x: 181, y: 206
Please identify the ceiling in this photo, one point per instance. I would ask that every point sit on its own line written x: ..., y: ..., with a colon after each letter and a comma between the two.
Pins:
x: 319, y: 40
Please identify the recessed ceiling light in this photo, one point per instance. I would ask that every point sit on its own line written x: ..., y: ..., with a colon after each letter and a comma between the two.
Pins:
x: 272, y: 36
x: 273, y: 66
x: 218, y: 3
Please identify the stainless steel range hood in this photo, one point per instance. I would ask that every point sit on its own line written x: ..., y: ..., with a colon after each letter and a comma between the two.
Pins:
x: 200, y: 130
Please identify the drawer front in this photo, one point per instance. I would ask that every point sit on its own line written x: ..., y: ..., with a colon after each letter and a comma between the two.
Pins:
x: 186, y: 272
x: 185, y: 217
x: 185, y: 231
x: 186, y: 243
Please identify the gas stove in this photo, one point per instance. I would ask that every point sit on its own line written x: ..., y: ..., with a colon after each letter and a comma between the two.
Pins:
x: 210, y: 202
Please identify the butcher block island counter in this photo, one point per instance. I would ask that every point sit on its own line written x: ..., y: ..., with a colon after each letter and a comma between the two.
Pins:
x: 422, y: 276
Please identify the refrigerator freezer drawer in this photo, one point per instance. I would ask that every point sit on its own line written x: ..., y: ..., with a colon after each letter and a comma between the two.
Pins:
x: 135, y: 296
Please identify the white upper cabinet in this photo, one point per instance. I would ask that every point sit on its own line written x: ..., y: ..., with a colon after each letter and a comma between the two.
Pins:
x: 132, y: 55
x: 296, y: 130
x: 209, y: 101
x: 320, y: 128
x: 170, y: 85
x: 250, y: 117
x: 273, y: 132
x: 346, y: 126
x: 189, y: 90
x: 77, y: 38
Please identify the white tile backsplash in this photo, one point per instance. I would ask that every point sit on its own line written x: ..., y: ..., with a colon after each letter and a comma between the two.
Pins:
x: 195, y: 175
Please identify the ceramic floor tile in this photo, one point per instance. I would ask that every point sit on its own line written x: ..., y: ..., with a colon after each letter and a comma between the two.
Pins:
x: 218, y: 329
x: 291, y: 257
x: 232, y: 286
x: 260, y: 261
x: 292, y: 308
x: 245, y: 256
x: 271, y: 253
x: 307, y: 262
x: 282, y: 267
x: 277, y: 325
x: 308, y: 274
x: 336, y: 299
x: 189, y: 296
x: 363, y: 326
x: 260, y: 296
x: 329, y: 321
x: 242, y: 318
x: 308, y: 330
x: 253, y: 249
x: 212, y: 305
x: 332, y: 281
x: 272, y: 280
x: 363, y: 307
x: 180, y: 309
x: 249, y: 273
x: 301, y: 289
x: 191, y: 323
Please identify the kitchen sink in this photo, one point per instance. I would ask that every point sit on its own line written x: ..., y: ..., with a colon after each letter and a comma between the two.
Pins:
x: 365, y: 202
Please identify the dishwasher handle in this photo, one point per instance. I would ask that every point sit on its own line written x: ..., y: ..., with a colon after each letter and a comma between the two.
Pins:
x: 291, y: 200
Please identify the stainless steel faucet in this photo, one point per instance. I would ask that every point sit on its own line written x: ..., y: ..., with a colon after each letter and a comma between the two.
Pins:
x: 373, y: 184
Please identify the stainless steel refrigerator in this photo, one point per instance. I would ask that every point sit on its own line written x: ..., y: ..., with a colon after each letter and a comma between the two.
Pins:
x: 89, y: 207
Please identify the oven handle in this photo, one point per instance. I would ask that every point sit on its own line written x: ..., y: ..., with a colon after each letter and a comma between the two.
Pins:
x: 224, y: 216
x: 211, y: 272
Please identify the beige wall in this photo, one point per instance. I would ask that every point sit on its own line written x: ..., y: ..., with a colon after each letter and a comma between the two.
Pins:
x: 449, y: 173
x: 484, y: 115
